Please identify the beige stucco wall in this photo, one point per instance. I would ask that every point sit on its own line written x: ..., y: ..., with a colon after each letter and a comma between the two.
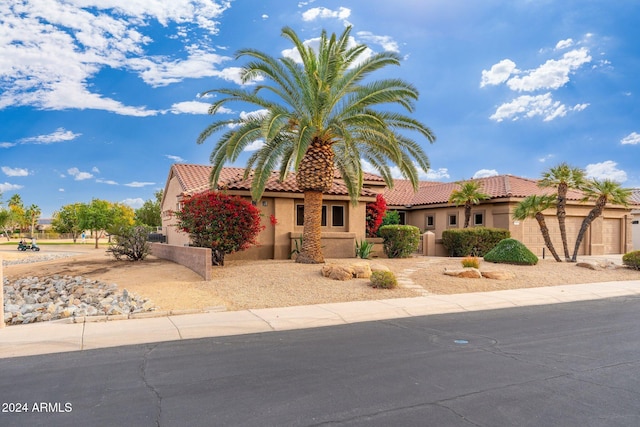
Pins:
x: 275, y: 239
x: 598, y: 239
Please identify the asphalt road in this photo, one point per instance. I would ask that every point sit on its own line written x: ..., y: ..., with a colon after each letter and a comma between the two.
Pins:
x: 572, y: 364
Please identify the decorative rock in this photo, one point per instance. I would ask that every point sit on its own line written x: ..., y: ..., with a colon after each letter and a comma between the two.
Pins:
x: 361, y: 270
x: 379, y: 267
x: 467, y: 273
x: 498, y: 275
x: 337, y: 272
x: 31, y: 299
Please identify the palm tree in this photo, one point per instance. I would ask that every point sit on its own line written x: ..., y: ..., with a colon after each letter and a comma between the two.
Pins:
x: 468, y: 194
x: 317, y: 115
x: 563, y: 177
x: 32, y: 215
x: 603, y: 192
x: 532, y: 207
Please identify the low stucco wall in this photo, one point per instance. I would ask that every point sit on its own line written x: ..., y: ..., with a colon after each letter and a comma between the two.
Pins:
x: 196, y: 259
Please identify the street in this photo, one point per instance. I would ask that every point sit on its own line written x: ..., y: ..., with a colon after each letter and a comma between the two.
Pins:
x: 575, y: 364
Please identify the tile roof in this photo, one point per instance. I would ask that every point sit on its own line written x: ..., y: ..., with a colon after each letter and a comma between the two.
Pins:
x: 497, y: 187
x: 195, y: 179
x: 635, y: 195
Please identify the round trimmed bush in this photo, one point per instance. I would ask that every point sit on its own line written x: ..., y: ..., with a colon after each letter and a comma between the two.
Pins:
x: 632, y: 260
x: 400, y: 241
x: 511, y: 251
x: 383, y: 280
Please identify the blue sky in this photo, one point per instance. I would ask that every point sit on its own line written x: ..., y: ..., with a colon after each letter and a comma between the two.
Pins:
x: 99, y: 97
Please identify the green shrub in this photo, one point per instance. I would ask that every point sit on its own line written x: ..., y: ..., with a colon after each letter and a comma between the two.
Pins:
x: 632, y: 259
x: 471, y: 261
x: 511, y: 251
x: 383, y: 280
x: 389, y: 218
x: 363, y: 249
x: 476, y: 241
x: 400, y: 241
x: 130, y: 242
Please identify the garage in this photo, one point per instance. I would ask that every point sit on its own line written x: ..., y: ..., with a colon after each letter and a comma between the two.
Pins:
x: 533, y: 239
x: 612, y: 235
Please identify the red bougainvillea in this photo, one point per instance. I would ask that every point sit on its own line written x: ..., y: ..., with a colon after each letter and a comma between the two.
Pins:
x: 375, y: 213
x: 226, y: 224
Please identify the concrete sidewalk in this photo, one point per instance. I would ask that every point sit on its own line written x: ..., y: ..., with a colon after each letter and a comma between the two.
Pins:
x: 61, y: 336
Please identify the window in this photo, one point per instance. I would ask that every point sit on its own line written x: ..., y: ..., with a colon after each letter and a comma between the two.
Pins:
x: 300, y: 215
x: 337, y: 216
x: 453, y: 220
x: 478, y: 218
x: 403, y: 218
x: 430, y: 222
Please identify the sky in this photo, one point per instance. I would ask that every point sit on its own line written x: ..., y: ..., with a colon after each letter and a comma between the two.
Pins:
x: 98, y: 98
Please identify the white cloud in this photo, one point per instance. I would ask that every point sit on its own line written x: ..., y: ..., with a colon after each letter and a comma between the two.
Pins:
x: 564, y: 44
x: 9, y: 187
x: 606, y: 170
x: 95, y: 170
x: 386, y: 42
x: 176, y: 159
x: 79, y: 175
x: 434, y: 175
x: 553, y: 74
x: 133, y: 203
x: 106, y: 181
x: 545, y: 158
x: 485, y: 173
x: 527, y: 106
x: 190, y: 107
x: 60, y: 135
x: 255, y: 145
x: 499, y: 73
x: 7, y: 144
x: 137, y: 184
x: 14, y: 171
x: 61, y: 190
x: 52, y: 50
x: 324, y: 13
x: 265, y: 16
x: 632, y: 139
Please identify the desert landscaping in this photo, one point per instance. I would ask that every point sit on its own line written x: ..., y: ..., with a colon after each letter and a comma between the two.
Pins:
x: 241, y: 285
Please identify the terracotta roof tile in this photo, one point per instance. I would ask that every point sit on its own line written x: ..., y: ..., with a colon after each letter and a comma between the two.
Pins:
x: 195, y: 179
x: 500, y: 186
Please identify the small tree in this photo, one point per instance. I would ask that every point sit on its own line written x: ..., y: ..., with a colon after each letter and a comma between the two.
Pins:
x: 375, y: 214
x: 602, y: 192
x: 67, y: 220
x: 226, y: 224
x: 130, y: 242
x: 532, y: 207
x: 468, y: 194
x: 149, y: 213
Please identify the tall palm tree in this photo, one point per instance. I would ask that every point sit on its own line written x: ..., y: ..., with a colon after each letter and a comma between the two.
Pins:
x: 603, y: 192
x: 563, y: 177
x: 532, y: 207
x: 316, y: 115
x: 468, y: 194
x: 32, y: 215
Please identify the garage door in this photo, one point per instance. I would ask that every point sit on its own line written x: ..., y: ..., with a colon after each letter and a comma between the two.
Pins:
x: 611, y: 231
x: 532, y: 237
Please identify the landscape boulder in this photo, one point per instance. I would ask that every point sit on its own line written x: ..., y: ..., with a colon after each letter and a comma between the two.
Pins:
x: 467, y: 273
x: 498, y: 275
x: 359, y: 270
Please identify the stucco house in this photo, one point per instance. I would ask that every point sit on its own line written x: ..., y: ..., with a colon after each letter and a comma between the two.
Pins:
x: 281, y: 207
x: 635, y: 220
x: 430, y: 210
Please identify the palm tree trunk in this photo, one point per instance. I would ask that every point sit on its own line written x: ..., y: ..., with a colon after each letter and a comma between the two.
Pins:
x: 467, y: 214
x: 593, y: 214
x: 311, y: 252
x: 545, y: 234
x: 561, y: 213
